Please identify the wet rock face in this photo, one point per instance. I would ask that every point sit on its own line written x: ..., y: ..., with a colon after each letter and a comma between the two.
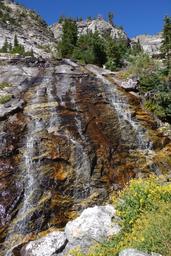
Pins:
x: 76, y: 138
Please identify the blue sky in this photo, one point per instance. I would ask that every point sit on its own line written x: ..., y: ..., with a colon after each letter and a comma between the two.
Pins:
x: 136, y: 16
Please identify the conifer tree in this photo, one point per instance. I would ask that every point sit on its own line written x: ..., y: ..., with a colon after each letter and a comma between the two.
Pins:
x: 5, y: 47
x: 166, y: 43
x: 110, y: 18
x: 15, y: 41
x: 69, y: 38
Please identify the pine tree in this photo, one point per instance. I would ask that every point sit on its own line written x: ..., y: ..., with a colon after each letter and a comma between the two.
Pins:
x: 61, y: 19
x: 166, y: 43
x: 136, y: 48
x: 110, y: 18
x: 89, y: 18
x: 90, y: 49
x: 16, y: 43
x: 69, y: 38
x: 5, y: 47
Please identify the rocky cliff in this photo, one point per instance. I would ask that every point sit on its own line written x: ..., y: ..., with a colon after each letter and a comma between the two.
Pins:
x: 150, y: 43
x: 69, y: 136
x: 31, y: 30
x: 102, y: 26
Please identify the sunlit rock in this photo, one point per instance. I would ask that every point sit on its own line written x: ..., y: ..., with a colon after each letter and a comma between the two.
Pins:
x: 54, y: 242
x: 94, y: 224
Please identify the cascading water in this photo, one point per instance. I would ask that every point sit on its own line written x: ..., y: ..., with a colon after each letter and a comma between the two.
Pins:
x: 124, y: 113
x: 80, y: 136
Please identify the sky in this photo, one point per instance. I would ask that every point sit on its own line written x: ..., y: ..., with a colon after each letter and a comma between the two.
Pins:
x: 136, y: 16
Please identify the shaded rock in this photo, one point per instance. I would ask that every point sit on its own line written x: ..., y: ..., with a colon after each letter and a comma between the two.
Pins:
x: 10, y: 108
x: 46, y: 246
x: 134, y: 252
x: 93, y: 224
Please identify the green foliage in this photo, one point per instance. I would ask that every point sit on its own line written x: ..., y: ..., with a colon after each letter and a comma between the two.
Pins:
x: 5, y: 98
x: 90, y: 49
x: 136, y: 49
x: 149, y: 82
x: 61, y: 19
x: 153, y: 231
x: 69, y: 38
x: 17, y: 48
x: 89, y: 18
x: 155, y: 85
x: 110, y: 17
x: 160, y: 104
x: 166, y: 44
x: 141, y: 196
x: 141, y: 65
x: 115, y: 52
x: 4, y: 85
x: 5, y: 47
x: 5, y: 16
x: 144, y: 208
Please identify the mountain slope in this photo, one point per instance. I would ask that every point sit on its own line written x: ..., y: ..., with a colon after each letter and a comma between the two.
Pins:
x: 29, y: 27
x: 150, y: 43
x: 102, y: 26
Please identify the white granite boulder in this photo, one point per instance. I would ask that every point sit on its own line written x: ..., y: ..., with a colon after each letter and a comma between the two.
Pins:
x: 94, y: 224
x: 53, y: 243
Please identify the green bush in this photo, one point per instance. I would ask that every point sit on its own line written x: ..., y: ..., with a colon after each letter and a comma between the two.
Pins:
x: 69, y: 38
x: 141, y: 196
x: 90, y: 49
x: 142, y: 64
x: 4, y: 99
x: 16, y: 48
x: 160, y: 104
x: 144, y: 208
x: 115, y: 52
x: 4, y: 85
x: 149, y: 82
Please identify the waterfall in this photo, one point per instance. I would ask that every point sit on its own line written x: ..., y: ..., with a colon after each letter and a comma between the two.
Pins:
x: 120, y: 103
x: 124, y: 114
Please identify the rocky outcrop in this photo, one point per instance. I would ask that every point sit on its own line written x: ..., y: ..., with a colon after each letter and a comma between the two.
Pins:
x: 102, y: 26
x: 10, y: 107
x: 150, y: 43
x: 77, y: 137
x: 94, y: 225
x: 52, y: 243
x: 134, y: 252
x: 32, y: 32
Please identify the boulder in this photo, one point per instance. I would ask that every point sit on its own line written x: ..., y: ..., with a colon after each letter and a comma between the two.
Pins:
x: 54, y: 242
x: 130, y: 85
x: 134, y: 252
x: 94, y: 224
